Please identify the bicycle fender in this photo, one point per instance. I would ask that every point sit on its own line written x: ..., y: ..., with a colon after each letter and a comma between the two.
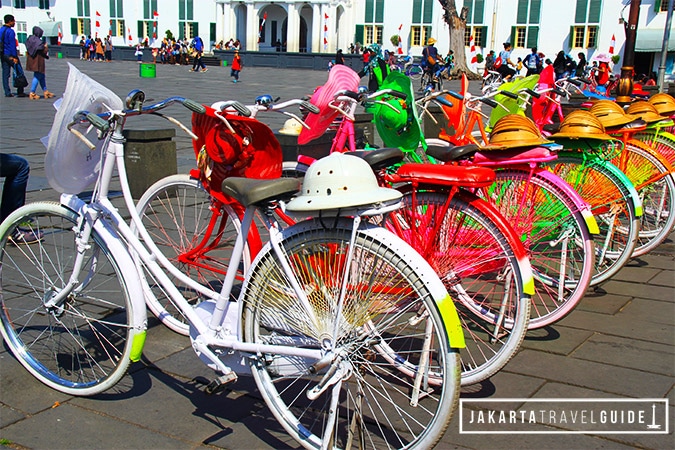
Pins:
x: 581, y: 205
x: 627, y: 184
x: 121, y: 254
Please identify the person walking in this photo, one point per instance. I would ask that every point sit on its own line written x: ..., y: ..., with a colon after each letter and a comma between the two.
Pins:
x: 339, y: 57
x: 9, y: 55
x: 198, y: 49
x: 236, y: 67
x: 37, y: 52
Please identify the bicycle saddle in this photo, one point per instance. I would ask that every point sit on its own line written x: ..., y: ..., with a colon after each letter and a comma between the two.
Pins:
x: 456, y: 153
x: 447, y: 175
x: 552, y: 127
x: 251, y: 191
x: 381, y: 158
x: 514, y: 157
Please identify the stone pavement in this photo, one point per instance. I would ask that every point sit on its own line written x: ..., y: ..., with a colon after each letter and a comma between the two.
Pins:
x: 618, y: 344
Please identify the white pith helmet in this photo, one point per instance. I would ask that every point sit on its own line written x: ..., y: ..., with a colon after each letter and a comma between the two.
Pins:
x: 340, y: 181
x: 291, y: 127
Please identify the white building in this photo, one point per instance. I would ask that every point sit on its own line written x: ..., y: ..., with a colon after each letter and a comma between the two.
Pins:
x: 323, y: 26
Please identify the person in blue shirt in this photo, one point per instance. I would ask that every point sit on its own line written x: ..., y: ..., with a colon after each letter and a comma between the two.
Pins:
x: 532, y: 62
x: 9, y: 54
x: 198, y: 50
x: 506, y: 67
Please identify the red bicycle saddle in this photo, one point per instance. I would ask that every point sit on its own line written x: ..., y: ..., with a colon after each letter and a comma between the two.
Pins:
x: 465, y: 176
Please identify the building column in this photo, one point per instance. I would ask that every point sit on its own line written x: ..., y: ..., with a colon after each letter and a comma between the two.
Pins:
x: 293, y: 29
x: 317, y: 28
x: 252, y: 27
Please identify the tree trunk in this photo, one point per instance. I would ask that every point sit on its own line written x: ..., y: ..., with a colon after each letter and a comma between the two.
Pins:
x: 457, y: 24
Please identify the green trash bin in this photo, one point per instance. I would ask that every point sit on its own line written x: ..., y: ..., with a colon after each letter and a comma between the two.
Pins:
x: 148, y: 70
x: 224, y: 63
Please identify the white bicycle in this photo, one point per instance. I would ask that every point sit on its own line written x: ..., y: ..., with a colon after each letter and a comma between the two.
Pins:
x: 349, y: 334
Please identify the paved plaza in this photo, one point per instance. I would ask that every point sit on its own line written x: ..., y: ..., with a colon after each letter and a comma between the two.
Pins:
x: 618, y: 344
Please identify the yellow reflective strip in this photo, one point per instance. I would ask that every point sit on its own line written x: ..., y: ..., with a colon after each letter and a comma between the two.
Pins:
x: 451, y: 320
x: 590, y: 222
x: 137, y: 345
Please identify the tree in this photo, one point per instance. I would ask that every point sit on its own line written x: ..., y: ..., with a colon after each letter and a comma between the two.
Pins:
x: 457, y: 24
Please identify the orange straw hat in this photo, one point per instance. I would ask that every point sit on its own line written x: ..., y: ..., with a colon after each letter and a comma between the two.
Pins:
x: 513, y: 131
x: 664, y: 103
x: 611, y: 114
x: 580, y: 124
x: 645, y: 111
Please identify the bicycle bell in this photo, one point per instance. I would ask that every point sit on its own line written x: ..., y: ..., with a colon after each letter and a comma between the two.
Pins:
x: 264, y: 100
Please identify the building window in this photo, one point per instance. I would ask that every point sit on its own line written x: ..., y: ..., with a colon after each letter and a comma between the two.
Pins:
x: 43, y: 4
x: 526, y: 33
x: 80, y: 26
x: 116, y: 9
x: 185, y: 10
x: 83, y: 8
x: 188, y: 30
x: 661, y: 6
x: 20, y: 4
x: 117, y: 27
x: 21, y: 29
x: 149, y: 9
x: 479, y: 34
x: 420, y: 30
x: 419, y: 35
x: 372, y: 30
x: 584, y: 33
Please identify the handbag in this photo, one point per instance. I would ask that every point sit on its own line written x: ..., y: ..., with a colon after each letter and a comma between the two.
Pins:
x: 20, y: 80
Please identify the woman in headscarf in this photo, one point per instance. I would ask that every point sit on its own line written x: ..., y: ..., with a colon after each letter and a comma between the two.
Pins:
x: 36, y: 54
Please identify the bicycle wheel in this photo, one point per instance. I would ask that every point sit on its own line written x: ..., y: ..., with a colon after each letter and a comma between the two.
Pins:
x: 661, y: 141
x: 415, y: 72
x: 196, y: 233
x: 476, y: 260
x: 367, y: 400
x: 611, y: 204
x: 656, y: 186
x: 80, y: 347
x: 556, y: 236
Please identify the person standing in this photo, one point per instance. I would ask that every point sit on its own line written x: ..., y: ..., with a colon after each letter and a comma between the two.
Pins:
x: 532, y: 62
x: 581, y: 66
x: 430, y: 58
x: 108, y: 49
x: 37, y: 52
x: 236, y: 67
x: 9, y: 55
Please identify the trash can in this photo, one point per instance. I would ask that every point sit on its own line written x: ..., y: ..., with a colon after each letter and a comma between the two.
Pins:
x: 149, y: 155
x: 148, y: 70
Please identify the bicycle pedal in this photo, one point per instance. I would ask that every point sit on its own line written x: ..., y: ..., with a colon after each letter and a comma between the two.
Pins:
x: 219, y: 383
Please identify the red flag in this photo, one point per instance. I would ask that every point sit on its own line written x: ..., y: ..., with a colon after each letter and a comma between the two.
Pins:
x: 98, y: 24
x: 155, y: 14
x: 98, y: 14
x: 472, y: 51
x: 60, y: 35
x: 325, y: 16
x: 612, y: 44
x: 262, y: 24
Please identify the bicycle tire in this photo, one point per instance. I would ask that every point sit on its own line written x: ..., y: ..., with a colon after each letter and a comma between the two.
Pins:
x: 82, y: 347
x: 176, y: 211
x: 373, y: 402
x: 661, y: 141
x: 553, y: 230
x: 415, y: 72
x: 654, y: 181
x: 612, y: 206
x: 474, y: 257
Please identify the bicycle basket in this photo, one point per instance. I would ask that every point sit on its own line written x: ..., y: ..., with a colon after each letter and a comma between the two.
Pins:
x: 252, y: 151
x: 70, y: 165
x: 340, y: 78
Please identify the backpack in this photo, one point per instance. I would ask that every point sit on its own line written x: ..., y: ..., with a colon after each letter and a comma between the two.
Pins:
x: 532, y: 61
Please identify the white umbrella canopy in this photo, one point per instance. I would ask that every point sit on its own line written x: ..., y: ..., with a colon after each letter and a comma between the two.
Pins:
x: 602, y: 57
